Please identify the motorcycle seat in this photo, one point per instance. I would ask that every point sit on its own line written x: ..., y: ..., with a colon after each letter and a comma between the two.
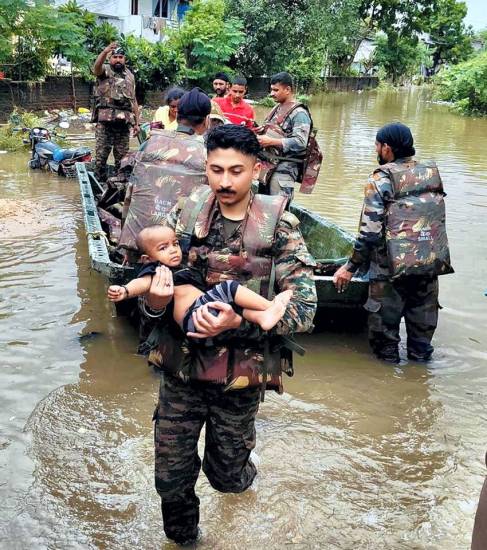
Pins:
x: 67, y: 154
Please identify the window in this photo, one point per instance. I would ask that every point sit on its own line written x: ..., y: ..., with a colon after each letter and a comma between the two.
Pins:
x: 160, y: 8
x: 135, y: 7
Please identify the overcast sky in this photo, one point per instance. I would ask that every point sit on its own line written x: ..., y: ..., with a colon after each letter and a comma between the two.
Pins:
x: 477, y: 14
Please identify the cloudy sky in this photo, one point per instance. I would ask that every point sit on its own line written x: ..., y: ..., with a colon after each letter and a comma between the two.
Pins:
x: 477, y: 14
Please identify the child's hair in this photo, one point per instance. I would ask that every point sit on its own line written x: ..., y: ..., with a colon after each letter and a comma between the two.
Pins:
x: 144, y: 234
x: 231, y: 136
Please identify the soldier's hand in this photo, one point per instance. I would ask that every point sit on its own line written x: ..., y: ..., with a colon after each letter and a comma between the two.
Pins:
x: 265, y: 141
x: 342, y: 278
x: 161, y: 289
x: 136, y: 130
x: 116, y: 293
x: 208, y: 325
x: 162, y: 283
x: 111, y: 47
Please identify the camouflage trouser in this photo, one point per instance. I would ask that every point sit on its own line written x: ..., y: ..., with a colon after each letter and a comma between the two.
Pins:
x: 415, y: 299
x: 108, y: 135
x: 282, y: 184
x: 230, y: 436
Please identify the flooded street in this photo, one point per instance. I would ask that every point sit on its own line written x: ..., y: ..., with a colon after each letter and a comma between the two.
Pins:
x: 355, y: 455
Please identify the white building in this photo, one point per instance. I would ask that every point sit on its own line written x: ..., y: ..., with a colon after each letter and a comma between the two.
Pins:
x: 362, y: 62
x: 142, y: 18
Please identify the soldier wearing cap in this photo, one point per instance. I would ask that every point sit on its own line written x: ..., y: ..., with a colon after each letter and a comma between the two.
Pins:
x: 115, y: 108
x: 216, y: 376
x: 169, y: 165
x: 402, y: 241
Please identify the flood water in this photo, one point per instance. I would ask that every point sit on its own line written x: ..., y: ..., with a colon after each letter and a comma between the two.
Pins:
x: 355, y: 455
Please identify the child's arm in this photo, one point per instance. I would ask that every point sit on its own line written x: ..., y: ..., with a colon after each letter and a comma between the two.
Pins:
x: 136, y: 287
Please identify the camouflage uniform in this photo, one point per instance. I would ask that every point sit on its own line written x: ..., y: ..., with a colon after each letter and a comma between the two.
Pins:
x: 110, y: 135
x: 185, y: 404
x: 296, y: 128
x: 113, y: 112
x: 170, y: 165
x: 414, y: 297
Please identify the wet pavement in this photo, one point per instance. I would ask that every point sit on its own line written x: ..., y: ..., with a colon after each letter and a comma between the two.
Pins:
x: 355, y: 454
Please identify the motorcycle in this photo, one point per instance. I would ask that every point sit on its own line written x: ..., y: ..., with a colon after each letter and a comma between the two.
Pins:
x: 48, y: 155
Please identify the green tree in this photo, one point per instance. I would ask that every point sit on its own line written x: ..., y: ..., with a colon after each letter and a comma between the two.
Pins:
x: 304, y: 37
x: 207, y: 37
x: 96, y: 36
x: 465, y: 85
x: 156, y: 65
x: 400, y: 57
x: 452, y: 40
x: 403, y: 18
x: 31, y: 32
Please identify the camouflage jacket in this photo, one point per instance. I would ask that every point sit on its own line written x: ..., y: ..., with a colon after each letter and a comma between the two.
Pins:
x: 294, y: 267
x: 370, y: 249
x: 294, y: 270
x: 114, y: 96
x: 296, y: 128
x: 168, y: 166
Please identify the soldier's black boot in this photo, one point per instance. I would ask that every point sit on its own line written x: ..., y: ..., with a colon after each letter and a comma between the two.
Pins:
x: 390, y: 354
x: 419, y: 351
x: 181, y: 522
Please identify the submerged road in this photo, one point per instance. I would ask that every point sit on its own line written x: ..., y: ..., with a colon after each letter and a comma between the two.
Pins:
x: 355, y: 455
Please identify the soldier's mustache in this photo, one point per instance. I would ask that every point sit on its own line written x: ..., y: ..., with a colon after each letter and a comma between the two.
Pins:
x: 223, y: 191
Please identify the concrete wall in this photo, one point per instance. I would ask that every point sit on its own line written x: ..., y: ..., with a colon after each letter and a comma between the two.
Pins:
x: 350, y: 83
x: 55, y: 93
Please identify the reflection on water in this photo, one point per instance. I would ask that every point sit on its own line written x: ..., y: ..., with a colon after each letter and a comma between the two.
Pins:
x: 356, y: 454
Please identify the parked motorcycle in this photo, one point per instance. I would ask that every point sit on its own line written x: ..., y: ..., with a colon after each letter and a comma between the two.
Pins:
x: 48, y: 155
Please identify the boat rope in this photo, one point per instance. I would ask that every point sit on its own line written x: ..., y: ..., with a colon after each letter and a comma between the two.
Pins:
x: 98, y: 235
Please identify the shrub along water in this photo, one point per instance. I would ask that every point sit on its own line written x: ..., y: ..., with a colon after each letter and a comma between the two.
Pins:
x: 465, y: 85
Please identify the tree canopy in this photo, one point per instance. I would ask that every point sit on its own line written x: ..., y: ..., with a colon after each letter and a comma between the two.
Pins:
x: 308, y: 38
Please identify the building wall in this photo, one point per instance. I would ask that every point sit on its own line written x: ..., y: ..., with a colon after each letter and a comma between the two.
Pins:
x: 55, y: 93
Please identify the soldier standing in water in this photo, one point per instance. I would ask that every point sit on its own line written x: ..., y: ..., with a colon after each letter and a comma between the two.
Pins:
x: 403, y: 242
x: 115, y: 108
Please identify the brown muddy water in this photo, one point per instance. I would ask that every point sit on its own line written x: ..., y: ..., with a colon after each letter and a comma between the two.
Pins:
x: 355, y: 454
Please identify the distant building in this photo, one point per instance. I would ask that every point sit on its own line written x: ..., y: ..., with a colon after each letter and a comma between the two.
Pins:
x: 362, y: 62
x: 478, y: 44
x: 143, y: 18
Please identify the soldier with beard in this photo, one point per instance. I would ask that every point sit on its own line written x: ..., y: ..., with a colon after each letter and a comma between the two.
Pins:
x: 402, y: 240
x: 115, y: 108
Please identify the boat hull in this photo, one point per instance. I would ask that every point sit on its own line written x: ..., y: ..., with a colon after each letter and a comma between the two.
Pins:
x: 327, y: 242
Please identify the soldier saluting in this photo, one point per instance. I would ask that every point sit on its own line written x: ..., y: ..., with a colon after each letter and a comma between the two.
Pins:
x: 115, y: 108
x: 402, y: 238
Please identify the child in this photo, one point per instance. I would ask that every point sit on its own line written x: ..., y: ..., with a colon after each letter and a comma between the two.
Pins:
x: 160, y: 246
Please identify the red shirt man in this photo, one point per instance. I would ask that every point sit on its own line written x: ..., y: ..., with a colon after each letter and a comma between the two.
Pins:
x: 234, y: 106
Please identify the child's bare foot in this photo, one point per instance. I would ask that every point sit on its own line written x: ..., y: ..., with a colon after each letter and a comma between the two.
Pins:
x: 269, y: 318
x: 284, y: 297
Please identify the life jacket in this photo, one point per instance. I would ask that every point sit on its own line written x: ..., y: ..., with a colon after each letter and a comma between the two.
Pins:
x: 309, y: 163
x: 234, y: 362
x: 115, y: 97
x: 415, y: 230
x: 170, y: 166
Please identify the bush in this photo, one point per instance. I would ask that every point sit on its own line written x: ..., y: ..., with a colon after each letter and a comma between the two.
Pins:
x: 10, y: 139
x: 155, y: 65
x: 465, y: 85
